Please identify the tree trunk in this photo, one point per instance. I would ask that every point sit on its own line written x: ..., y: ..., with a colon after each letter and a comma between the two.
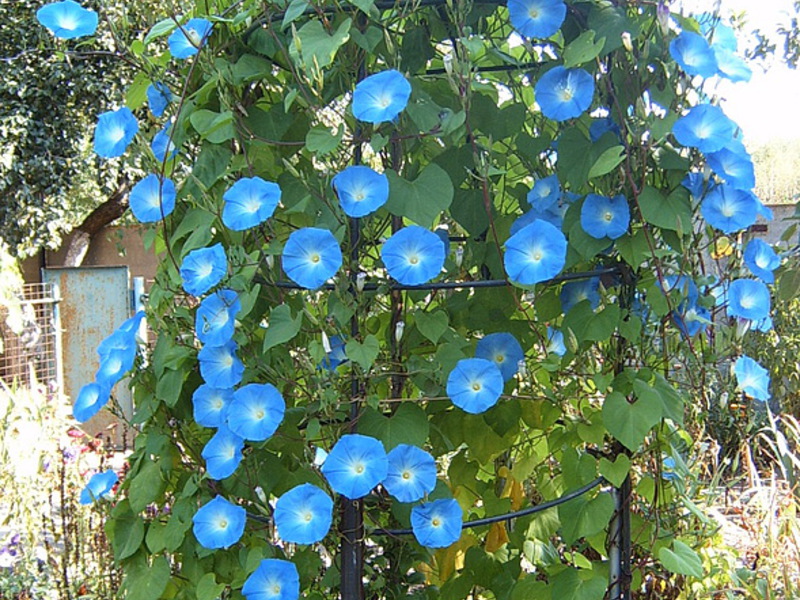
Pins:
x: 108, y: 212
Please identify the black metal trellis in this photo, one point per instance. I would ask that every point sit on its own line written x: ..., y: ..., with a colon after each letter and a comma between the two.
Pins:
x: 351, y: 527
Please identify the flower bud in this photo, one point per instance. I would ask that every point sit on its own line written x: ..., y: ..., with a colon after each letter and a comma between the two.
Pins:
x: 398, y: 330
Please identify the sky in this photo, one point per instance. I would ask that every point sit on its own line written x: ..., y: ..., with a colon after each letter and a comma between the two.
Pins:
x: 766, y: 107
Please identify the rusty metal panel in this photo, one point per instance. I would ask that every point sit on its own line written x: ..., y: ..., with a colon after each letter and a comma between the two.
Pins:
x: 94, y: 301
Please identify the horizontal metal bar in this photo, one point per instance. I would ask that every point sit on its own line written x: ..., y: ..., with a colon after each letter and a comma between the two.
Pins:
x: 512, y: 515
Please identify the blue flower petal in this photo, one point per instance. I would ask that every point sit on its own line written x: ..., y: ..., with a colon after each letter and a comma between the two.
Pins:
x: 223, y: 453
x: 704, y: 127
x: 437, y: 524
x: 303, y: 515
x: 729, y: 209
x: 91, y: 398
x: 605, y: 217
x: 311, y: 256
x: 158, y: 97
x: 413, y: 255
x: 249, y: 202
x: 502, y: 349
x: 693, y: 53
x: 99, y: 486
x: 204, y: 268
x: 355, y: 465
x: 67, y: 20
x: 150, y: 199
x: 545, y: 193
x: 555, y: 342
x: 114, y: 365
x: 216, y: 317
x: 564, y: 93
x: 761, y: 259
x: 337, y: 355
x: 187, y: 40
x: 752, y: 378
x: 210, y: 404
x: 256, y: 411
x: 163, y: 146
x: 578, y: 291
x: 411, y: 474
x: 475, y: 384
x: 361, y: 191
x: 535, y: 253
x: 536, y: 18
x: 381, y: 97
x: 733, y: 164
x: 114, y: 131
x: 274, y: 579
x: 732, y: 67
x: 748, y: 299
x: 219, y: 523
x: 219, y: 365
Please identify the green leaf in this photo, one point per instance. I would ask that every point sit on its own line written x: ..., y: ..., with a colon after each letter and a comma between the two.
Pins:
x: 423, y: 199
x: 210, y: 166
x: 590, y: 326
x: 146, y: 582
x: 127, y: 531
x: 431, y: 324
x: 633, y: 247
x: 574, y: 157
x: 208, y: 588
x: 573, y: 584
x: 145, y: 487
x: 681, y: 559
x: 610, y: 22
x: 322, y: 140
x: 582, y: 517
x: 408, y: 425
x: 615, y: 472
x: 294, y: 10
x: 282, y: 326
x: 316, y: 46
x: 469, y: 210
x: 169, y: 386
x: 583, y: 49
x: 136, y: 94
x: 214, y: 127
x: 629, y: 422
x: 607, y: 161
x: 789, y: 285
x: 364, y: 354
x: 364, y: 5
x: 160, y: 29
x: 673, y: 212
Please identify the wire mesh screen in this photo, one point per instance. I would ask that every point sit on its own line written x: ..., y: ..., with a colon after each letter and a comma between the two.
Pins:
x: 30, y: 349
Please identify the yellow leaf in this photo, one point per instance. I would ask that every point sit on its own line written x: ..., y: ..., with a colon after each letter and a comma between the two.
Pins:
x: 497, y: 537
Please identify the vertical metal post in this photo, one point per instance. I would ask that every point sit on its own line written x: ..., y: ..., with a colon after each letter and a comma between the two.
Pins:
x: 619, y: 543
x: 57, y: 337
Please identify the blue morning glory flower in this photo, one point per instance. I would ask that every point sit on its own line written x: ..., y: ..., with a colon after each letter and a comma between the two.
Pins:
x: 158, y: 97
x: 210, y: 405
x: 114, y: 365
x: 355, y: 465
x: 748, y: 299
x: 413, y: 255
x: 381, y: 97
x: 545, y: 193
x: 219, y: 365
x: 90, y: 400
x: 162, y: 146
x: 761, y: 259
x: 204, y: 268
x: 223, y: 453
x: 733, y: 164
x: 114, y: 131
x: 303, y: 515
x: 411, y: 474
x: 219, y: 523
x: 536, y: 18
x: 274, y: 579
x: 311, y: 256
x: 99, y: 486
x: 475, y: 384
x: 685, y: 286
x: 361, y: 191
x: 602, y: 216
x: 437, y: 524
x: 555, y: 342
x: 249, y: 202
x: 502, y: 349
x: 692, y: 320
x: 752, y: 378
x: 729, y: 209
x: 537, y: 252
x: 337, y: 354
x: 216, y: 316
x: 577, y: 291
x: 731, y: 66
x: 256, y: 411
x: 564, y: 93
x: 187, y: 40
x: 704, y: 127
x: 693, y: 53
x: 150, y: 199
x: 553, y: 215
x: 67, y: 20
x: 601, y: 126
x: 696, y: 184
